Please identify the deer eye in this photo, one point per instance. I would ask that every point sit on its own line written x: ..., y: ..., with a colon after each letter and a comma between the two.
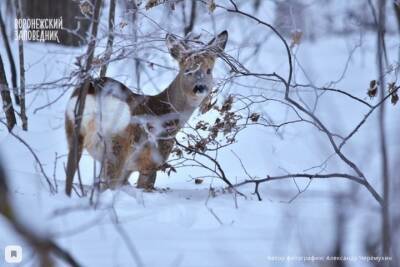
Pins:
x: 208, y: 71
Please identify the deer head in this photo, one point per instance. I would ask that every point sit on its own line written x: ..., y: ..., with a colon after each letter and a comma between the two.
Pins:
x: 196, y: 64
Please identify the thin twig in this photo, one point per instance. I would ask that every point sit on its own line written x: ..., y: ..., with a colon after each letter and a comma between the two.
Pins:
x: 353, y: 178
x: 51, y: 187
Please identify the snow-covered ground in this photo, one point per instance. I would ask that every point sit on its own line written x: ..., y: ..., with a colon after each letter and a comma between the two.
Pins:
x: 183, y: 223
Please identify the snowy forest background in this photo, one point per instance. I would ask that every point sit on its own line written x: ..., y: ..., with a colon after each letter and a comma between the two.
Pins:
x: 297, y: 157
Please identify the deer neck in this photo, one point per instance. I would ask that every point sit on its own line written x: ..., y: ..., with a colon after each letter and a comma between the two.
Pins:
x: 176, y: 98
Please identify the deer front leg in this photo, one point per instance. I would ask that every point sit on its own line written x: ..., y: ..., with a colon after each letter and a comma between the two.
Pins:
x: 146, y: 180
x: 113, y: 173
x: 114, y: 164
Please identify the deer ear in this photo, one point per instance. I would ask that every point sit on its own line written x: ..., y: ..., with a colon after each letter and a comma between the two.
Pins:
x: 219, y: 42
x: 175, y: 46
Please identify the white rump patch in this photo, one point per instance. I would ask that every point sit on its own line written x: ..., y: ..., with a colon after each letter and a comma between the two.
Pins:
x: 109, y: 114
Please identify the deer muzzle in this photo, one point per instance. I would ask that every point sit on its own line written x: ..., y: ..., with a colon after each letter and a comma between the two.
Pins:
x: 200, y: 88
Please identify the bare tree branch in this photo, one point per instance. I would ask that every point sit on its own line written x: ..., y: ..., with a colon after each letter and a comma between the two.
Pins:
x: 353, y: 178
x: 217, y: 164
x: 51, y: 187
x: 192, y: 18
x: 297, y: 105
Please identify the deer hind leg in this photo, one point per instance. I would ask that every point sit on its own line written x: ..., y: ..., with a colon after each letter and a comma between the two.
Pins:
x: 75, y: 148
x: 114, y: 164
x: 146, y: 180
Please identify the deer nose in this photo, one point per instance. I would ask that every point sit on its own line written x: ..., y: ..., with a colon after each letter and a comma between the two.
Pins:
x: 200, y: 88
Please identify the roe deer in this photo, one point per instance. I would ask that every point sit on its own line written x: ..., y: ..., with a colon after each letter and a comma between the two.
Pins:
x: 129, y: 132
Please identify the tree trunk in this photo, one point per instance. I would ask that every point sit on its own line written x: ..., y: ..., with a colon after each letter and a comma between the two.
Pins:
x: 73, y: 161
x: 385, y: 224
x: 23, y: 116
x: 396, y: 7
x: 6, y: 97
x: 10, y: 59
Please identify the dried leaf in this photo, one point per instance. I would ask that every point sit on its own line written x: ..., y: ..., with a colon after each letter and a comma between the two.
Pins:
x: 177, y: 151
x: 227, y: 104
x: 153, y: 3
x: 296, y: 38
x: 391, y: 87
x: 206, y: 105
x: 202, y: 125
x: 393, y: 90
x: 201, y: 145
x: 212, y: 6
x: 373, y: 88
x: 254, y: 117
x: 122, y: 24
x: 395, y: 98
